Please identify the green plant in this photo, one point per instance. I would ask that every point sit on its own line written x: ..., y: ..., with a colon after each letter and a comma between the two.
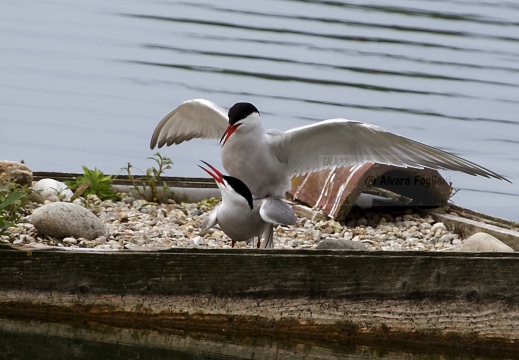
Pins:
x: 151, y: 179
x: 13, y: 199
x: 93, y: 182
x: 453, y: 190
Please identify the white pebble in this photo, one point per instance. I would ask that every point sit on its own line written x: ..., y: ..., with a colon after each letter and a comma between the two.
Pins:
x: 70, y: 240
x: 438, y: 226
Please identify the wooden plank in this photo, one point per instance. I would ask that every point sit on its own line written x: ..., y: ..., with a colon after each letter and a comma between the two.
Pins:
x: 446, y: 298
x: 124, y: 179
x: 466, y: 223
x: 442, y: 298
x: 279, y: 273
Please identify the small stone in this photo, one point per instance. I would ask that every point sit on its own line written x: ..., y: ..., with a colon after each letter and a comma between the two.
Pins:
x: 101, y: 240
x: 198, y: 240
x: 70, y: 240
x: 196, y: 212
x: 438, y: 226
x: 347, y: 235
x: 362, y: 222
x: 295, y: 243
x: 447, y: 238
x: 483, y: 242
x: 328, y: 230
x: 316, y: 234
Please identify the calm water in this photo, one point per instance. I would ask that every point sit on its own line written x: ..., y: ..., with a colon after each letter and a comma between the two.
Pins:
x: 35, y: 340
x: 86, y: 83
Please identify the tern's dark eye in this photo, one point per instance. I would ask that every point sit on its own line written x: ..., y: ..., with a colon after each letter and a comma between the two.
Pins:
x: 240, y: 111
x: 240, y: 187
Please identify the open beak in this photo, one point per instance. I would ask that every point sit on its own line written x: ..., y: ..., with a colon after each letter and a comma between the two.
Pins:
x: 216, y: 175
x: 228, y: 132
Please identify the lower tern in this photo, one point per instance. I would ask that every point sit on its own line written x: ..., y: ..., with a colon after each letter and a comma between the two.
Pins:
x: 243, y: 218
x: 267, y: 160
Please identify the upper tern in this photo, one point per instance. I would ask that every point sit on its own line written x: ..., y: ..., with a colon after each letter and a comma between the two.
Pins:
x: 243, y: 218
x: 267, y: 160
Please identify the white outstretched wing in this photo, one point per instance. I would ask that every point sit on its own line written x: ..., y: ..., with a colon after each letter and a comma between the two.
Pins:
x: 339, y: 142
x: 196, y: 118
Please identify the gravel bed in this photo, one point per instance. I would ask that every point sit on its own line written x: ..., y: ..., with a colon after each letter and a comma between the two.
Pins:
x: 137, y: 225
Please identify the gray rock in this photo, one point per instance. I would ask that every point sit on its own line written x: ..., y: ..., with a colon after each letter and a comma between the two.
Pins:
x: 12, y: 171
x: 70, y: 240
x: 340, y: 244
x: 449, y: 238
x: 316, y: 234
x: 482, y: 242
x: 196, y: 212
x: 60, y: 220
x: 52, y: 190
x: 438, y: 226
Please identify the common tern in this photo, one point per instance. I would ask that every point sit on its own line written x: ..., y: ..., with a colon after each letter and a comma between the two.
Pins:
x: 243, y: 218
x: 267, y: 160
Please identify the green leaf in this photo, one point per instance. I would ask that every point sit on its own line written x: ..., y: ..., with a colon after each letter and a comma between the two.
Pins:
x: 11, y: 199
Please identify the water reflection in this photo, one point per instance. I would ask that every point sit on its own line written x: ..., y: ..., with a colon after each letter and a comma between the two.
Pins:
x: 35, y: 340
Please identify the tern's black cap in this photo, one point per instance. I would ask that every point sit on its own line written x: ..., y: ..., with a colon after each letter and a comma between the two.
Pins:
x: 240, y: 111
x: 240, y: 187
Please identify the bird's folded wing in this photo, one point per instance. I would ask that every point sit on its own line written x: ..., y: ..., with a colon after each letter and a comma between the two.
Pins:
x: 339, y: 142
x: 276, y: 211
x: 210, y: 220
x: 196, y: 118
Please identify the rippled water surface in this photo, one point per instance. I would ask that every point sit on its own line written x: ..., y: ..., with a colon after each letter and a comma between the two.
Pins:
x: 86, y: 83
x: 37, y: 340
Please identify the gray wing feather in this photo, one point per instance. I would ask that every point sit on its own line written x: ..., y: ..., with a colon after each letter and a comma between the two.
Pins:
x: 276, y: 211
x: 340, y: 142
x: 196, y: 118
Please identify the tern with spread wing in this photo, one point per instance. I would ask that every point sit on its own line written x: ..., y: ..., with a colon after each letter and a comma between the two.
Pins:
x: 243, y: 218
x: 267, y: 160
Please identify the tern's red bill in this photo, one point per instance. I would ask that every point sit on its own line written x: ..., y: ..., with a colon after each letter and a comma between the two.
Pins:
x: 216, y: 175
x: 228, y: 132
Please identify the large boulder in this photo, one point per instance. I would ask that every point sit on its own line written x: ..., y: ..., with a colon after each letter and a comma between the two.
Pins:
x: 60, y: 220
x: 12, y: 171
x: 483, y: 242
